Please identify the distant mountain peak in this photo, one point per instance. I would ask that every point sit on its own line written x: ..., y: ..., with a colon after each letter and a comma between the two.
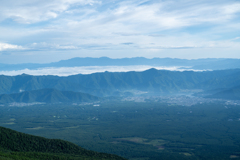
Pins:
x: 152, y: 70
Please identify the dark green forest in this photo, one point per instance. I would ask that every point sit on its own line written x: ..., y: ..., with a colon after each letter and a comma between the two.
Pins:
x: 16, y: 145
x: 144, y: 131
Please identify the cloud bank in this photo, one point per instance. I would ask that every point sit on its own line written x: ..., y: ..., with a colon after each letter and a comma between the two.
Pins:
x: 67, y: 71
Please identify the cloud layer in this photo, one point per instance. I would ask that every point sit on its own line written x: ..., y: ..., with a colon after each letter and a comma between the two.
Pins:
x: 129, y: 28
x: 67, y: 71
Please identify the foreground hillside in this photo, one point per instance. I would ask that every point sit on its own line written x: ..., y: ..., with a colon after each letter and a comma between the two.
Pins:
x: 20, y: 146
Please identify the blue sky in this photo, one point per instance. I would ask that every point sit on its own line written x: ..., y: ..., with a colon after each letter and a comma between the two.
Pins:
x: 41, y: 31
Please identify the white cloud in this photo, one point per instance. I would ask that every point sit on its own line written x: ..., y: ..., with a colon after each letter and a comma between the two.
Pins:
x: 51, y: 46
x: 163, y: 15
x: 67, y: 71
x: 137, y: 21
x: 32, y: 11
x: 231, y: 9
x: 6, y: 46
x: 236, y: 38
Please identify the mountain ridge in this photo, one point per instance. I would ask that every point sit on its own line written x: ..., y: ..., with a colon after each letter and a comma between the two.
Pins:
x: 106, y: 83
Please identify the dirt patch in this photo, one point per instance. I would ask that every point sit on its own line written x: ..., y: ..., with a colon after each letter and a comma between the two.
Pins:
x: 234, y: 156
x: 72, y: 127
x: 9, y: 123
x: 186, y: 154
x: 158, y: 143
x: 35, y: 128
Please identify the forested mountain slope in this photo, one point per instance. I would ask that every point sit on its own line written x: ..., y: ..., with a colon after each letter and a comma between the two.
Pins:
x: 106, y: 83
x: 231, y: 94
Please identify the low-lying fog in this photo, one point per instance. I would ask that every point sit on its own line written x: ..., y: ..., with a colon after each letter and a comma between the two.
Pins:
x: 67, y: 71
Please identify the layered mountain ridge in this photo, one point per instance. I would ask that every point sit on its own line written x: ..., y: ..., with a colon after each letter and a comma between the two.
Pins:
x: 108, y: 83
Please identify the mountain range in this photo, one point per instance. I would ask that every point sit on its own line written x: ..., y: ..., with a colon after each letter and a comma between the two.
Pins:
x: 202, y: 64
x: 104, y: 84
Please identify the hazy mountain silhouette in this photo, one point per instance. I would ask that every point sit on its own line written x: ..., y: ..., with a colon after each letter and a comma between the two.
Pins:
x: 209, y: 63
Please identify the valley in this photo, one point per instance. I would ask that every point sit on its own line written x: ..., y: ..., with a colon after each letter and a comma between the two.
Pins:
x: 135, y: 130
x: 136, y: 115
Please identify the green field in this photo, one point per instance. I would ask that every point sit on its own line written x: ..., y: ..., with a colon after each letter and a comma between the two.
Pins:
x: 137, y: 131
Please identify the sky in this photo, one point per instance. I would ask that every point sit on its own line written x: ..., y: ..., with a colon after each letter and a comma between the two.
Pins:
x: 43, y: 31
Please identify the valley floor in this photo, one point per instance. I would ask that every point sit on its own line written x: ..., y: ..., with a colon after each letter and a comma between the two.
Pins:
x: 147, y: 130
